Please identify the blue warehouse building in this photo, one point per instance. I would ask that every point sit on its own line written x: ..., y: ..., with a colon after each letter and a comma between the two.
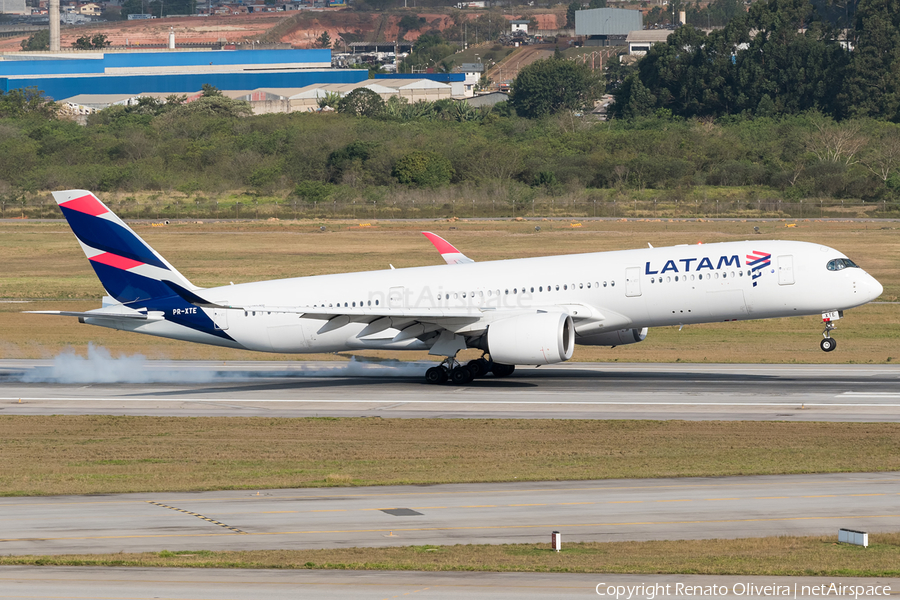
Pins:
x: 66, y: 75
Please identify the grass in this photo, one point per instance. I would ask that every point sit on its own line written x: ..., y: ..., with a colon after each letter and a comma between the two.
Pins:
x: 43, y: 264
x: 53, y: 455
x: 773, y: 556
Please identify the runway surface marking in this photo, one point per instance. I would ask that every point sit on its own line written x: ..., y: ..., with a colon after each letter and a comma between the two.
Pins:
x: 396, y: 404
x: 466, y: 528
x: 199, y: 516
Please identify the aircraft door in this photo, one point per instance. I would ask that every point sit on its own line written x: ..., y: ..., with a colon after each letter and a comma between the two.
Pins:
x: 395, y: 297
x: 786, y: 270
x: 633, y: 281
x: 219, y: 318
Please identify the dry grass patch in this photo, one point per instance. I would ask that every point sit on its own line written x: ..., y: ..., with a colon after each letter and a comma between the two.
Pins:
x: 106, y: 454
x: 807, y: 556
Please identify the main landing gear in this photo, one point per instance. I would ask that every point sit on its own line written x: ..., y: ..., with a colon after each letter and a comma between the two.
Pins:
x: 451, y: 371
x: 829, y: 343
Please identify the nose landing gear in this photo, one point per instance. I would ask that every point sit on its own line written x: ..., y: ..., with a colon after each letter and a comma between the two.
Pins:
x: 829, y: 343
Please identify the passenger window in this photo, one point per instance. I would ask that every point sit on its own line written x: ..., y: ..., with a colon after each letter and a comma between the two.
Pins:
x: 604, y: 284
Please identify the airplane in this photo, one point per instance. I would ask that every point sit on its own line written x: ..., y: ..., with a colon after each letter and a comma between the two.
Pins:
x: 529, y: 311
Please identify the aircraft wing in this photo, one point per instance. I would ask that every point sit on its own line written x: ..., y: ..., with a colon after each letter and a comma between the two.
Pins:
x: 448, y: 252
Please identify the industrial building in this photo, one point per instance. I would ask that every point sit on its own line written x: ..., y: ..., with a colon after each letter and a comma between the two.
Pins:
x: 70, y: 74
x: 607, y: 26
x: 266, y: 100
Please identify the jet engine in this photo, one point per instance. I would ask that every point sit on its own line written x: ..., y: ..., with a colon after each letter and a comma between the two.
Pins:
x: 537, y: 339
x: 614, y: 338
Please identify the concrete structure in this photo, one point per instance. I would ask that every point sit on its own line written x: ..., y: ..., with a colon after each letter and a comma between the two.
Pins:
x: 54, y: 25
x: 519, y: 26
x: 639, y: 42
x: 14, y: 7
x: 90, y: 10
x: 487, y: 99
x: 473, y: 73
x: 604, y: 26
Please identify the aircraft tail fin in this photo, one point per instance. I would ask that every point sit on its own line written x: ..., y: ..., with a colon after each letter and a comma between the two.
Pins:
x: 129, y: 269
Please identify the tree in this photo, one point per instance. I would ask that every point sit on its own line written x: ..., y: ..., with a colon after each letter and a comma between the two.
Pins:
x: 570, y: 13
x: 324, y: 40
x: 423, y: 169
x: 209, y: 91
x: 25, y: 102
x: 88, y: 42
x: 597, y: 4
x: 778, y: 59
x: 872, y: 86
x: 361, y: 102
x: 548, y: 86
x: 39, y: 40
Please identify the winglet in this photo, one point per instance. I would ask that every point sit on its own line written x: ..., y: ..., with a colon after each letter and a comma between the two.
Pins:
x: 448, y: 252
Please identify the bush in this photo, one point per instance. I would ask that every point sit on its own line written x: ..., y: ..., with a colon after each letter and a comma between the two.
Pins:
x: 423, y: 169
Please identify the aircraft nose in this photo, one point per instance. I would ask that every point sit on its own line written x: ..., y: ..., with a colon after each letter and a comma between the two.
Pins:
x: 875, y: 288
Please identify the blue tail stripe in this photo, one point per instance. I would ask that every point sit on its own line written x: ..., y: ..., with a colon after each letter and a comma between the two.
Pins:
x: 126, y: 286
x: 110, y: 237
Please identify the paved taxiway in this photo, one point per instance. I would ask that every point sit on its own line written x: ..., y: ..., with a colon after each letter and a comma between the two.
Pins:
x: 613, y: 510
x: 252, y: 584
x: 396, y: 389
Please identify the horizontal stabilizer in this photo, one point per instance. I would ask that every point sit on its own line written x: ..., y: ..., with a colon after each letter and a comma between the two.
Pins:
x: 100, y: 313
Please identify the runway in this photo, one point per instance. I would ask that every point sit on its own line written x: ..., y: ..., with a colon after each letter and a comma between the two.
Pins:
x: 497, y: 513
x: 251, y: 584
x: 395, y: 389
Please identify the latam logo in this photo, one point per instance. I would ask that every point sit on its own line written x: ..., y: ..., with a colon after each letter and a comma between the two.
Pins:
x: 706, y: 262
x: 758, y: 261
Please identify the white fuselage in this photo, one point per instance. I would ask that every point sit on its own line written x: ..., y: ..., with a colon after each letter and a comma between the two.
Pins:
x: 607, y: 291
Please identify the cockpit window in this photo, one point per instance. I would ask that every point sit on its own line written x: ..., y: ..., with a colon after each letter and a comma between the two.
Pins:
x: 841, y: 263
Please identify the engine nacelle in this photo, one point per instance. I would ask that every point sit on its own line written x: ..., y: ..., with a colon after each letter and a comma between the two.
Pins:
x: 538, y: 339
x: 614, y: 338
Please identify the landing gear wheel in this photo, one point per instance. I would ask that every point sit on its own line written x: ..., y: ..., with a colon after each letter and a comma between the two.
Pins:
x: 479, y: 367
x: 828, y: 344
x: 461, y: 375
x: 502, y: 370
x: 436, y: 375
